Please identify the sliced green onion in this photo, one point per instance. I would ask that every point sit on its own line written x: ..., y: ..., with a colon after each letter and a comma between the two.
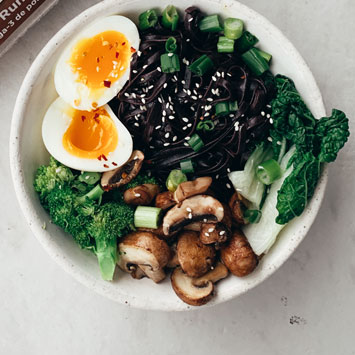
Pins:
x: 169, y: 63
x: 89, y: 178
x: 196, y: 142
x: 268, y: 172
x: 170, y: 17
x: 265, y: 55
x: 210, y: 24
x: 252, y: 216
x: 246, y: 42
x: 255, y: 62
x: 147, y: 217
x: 205, y: 125
x: 233, y: 28
x: 233, y: 106
x: 201, y: 65
x: 175, y: 178
x: 222, y: 108
x: 225, y: 45
x: 187, y: 166
x: 147, y: 19
x: 170, y: 45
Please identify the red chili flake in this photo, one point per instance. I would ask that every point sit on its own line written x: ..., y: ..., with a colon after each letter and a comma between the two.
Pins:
x: 106, y: 166
x: 123, y: 43
x: 97, y: 59
x: 117, y: 54
x: 114, y: 164
x: 83, y: 118
x: 243, y: 77
x: 96, y: 118
x: 133, y: 50
x: 104, y: 157
x: 99, y: 157
x: 107, y: 83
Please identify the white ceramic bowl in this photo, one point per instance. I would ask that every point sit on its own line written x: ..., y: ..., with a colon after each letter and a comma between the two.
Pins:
x: 27, y: 152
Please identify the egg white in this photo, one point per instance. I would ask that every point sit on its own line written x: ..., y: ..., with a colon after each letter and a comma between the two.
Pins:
x: 66, y: 84
x: 55, y: 123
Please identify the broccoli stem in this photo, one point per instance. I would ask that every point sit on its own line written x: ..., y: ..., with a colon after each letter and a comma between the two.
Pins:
x: 106, y: 252
x: 92, y: 195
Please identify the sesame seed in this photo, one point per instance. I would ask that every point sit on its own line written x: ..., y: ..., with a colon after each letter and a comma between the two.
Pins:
x: 171, y: 117
x: 143, y: 100
x: 158, y: 127
x: 126, y: 94
x: 268, y: 106
x: 164, y: 113
x: 167, y: 135
x: 231, y: 115
x: 135, y: 71
x: 187, y: 39
x: 174, y: 138
x: 176, y: 90
x: 268, y: 115
x: 194, y: 91
x: 122, y: 68
x: 192, y: 108
x: 229, y: 74
x: 278, y: 143
x: 183, y: 82
x: 191, y: 19
x: 163, y: 119
x: 190, y: 216
x: 136, y: 124
x: 184, y: 128
x: 269, y: 139
x: 187, y: 138
x: 150, y: 87
x: 170, y: 54
x: 214, y: 78
x: 186, y: 144
x: 218, y: 74
x: 222, y: 232
x: 188, y: 92
x: 209, y: 99
x: 262, y: 113
x: 206, y: 114
x: 159, y: 69
x: 185, y: 119
x: 206, y: 234
x: 160, y: 100
x: 194, y: 97
x: 222, y: 74
x: 228, y: 170
x: 166, y: 144
x: 137, y: 195
x: 188, y: 209
x: 210, y: 230
x: 197, y: 85
x: 145, y: 66
x: 271, y: 121
x: 139, y: 53
x: 228, y: 186
x: 142, y: 79
x: 167, y: 105
x: 134, y: 95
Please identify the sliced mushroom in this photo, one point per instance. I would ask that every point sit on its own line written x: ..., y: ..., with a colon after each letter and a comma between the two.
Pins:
x: 194, y: 209
x: 125, y: 173
x: 237, y: 204
x: 141, y: 195
x: 173, y: 261
x: 165, y: 200
x: 217, y: 233
x: 191, y: 188
x: 194, y: 257
x: 238, y: 255
x: 197, y: 291
x: 145, y: 251
x: 195, y: 226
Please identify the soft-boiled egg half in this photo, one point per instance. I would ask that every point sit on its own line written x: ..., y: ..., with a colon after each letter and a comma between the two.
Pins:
x: 94, y: 67
x: 86, y: 140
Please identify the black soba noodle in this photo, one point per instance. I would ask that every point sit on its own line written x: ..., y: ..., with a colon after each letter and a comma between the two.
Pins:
x: 161, y: 110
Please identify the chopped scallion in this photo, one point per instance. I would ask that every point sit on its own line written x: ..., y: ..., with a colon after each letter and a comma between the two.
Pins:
x: 147, y: 19
x: 233, y: 106
x: 187, y: 166
x: 252, y: 216
x: 147, y: 217
x: 175, y: 178
x: 170, y: 45
x: 205, y: 125
x: 170, y: 17
x: 268, y: 172
x: 265, y: 55
x: 245, y: 42
x: 196, y: 142
x: 255, y: 62
x: 210, y: 24
x: 201, y: 65
x: 222, y: 108
x: 233, y: 28
x: 170, y: 63
x: 225, y: 45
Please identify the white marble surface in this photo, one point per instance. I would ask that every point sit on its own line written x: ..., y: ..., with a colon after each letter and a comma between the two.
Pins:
x: 307, y: 307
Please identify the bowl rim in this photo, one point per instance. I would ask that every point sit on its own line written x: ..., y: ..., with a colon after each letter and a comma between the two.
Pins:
x: 27, y: 207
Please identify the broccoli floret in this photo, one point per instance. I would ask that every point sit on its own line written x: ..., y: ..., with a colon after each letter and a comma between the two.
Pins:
x: 47, y: 177
x: 67, y: 213
x: 112, y: 220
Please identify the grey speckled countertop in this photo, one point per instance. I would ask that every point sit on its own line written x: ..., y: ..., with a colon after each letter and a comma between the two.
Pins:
x: 307, y: 307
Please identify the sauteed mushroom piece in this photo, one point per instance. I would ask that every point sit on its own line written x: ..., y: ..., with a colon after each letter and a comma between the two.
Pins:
x: 141, y: 195
x: 191, y: 188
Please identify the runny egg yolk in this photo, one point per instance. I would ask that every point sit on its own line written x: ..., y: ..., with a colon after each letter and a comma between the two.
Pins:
x: 101, y: 60
x: 90, y: 135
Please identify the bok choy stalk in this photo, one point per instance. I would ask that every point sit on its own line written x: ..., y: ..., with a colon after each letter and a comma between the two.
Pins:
x: 246, y: 181
x: 262, y: 235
